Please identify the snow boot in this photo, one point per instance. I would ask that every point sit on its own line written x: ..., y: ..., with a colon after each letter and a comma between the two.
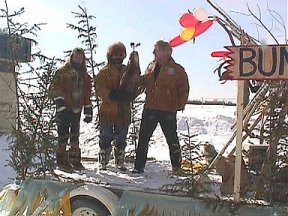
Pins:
x: 62, y: 159
x: 75, y: 158
x: 119, y: 155
x: 104, y: 157
x: 137, y: 171
x: 177, y: 171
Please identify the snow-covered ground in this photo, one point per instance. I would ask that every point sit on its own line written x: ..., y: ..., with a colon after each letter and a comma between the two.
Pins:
x: 7, y: 174
x: 212, y: 123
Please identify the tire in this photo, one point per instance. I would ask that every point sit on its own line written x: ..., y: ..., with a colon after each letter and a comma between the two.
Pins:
x: 85, y: 205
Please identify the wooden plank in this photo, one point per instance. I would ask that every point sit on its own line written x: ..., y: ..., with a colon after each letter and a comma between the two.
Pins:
x: 238, y: 159
x: 256, y: 62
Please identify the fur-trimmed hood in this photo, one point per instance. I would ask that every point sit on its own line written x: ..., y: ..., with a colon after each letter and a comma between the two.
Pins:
x: 116, y: 49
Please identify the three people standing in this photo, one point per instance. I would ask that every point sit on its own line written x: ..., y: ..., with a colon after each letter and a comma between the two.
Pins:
x: 166, y: 88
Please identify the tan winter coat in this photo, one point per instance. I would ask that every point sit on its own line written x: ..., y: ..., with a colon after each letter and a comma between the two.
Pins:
x: 171, y: 89
x: 112, y: 112
x: 76, y: 91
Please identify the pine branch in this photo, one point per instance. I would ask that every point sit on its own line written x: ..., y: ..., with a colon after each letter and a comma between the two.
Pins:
x: 87, y: 33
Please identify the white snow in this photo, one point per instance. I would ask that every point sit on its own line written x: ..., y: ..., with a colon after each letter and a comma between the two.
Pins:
x: 212, y: 123
x: 7, y: 174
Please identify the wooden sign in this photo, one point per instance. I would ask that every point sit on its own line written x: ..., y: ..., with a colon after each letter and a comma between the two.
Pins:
x: 253, y: 62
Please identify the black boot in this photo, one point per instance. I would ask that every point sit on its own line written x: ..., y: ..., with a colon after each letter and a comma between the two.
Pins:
x: 62, y: 159
x: 104, y: 157
x: 75, y: 158
x: 119, y: 155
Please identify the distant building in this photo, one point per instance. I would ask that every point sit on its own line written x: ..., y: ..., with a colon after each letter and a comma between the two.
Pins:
x: 8, y: 100
x: 11, y: 48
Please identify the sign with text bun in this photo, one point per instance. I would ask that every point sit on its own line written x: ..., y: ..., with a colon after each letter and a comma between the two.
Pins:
x: 255, y: 62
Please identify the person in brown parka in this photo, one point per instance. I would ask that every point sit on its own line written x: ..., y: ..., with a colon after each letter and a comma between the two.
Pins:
x: 71, y: 91
x: 115, y: 109
x: 167, y: 89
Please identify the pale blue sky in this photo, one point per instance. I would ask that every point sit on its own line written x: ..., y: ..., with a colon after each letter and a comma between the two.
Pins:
x: 147, y: 21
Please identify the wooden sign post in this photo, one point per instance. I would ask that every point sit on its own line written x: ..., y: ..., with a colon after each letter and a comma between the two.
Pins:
x: 252, y: 62
x: 239, y: 126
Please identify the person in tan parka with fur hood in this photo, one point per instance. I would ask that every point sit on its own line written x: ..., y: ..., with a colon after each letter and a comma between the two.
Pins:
x: 115, y: 110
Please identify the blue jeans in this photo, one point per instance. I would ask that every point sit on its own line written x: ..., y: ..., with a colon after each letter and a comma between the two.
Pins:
x: 116, y: 133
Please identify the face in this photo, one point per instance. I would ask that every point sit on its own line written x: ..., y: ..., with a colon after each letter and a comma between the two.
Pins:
x: 117, y: 58
x: 160, y: 54
x: 77, y: 58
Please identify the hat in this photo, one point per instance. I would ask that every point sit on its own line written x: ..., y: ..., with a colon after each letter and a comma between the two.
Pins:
x: 77, y: 50
x: 118, y: 49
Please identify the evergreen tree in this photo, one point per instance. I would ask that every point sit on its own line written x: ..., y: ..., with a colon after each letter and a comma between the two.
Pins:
x: 87, y: 34
x: 32, y: 140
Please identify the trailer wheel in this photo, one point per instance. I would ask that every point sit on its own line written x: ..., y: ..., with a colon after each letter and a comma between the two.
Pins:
x: 85, y: 205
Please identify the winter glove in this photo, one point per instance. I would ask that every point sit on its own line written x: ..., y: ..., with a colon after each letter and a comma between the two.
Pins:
x: 120, y: 95
x: 88, y: 112
x: 60, y: 104
x: 60, y: 109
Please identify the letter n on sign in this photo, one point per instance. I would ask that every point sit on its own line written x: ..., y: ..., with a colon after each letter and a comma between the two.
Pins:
x: 253, y: 62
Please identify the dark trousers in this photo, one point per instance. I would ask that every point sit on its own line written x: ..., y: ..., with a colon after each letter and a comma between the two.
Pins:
x: 68, y: 127
x: 167, y: 120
